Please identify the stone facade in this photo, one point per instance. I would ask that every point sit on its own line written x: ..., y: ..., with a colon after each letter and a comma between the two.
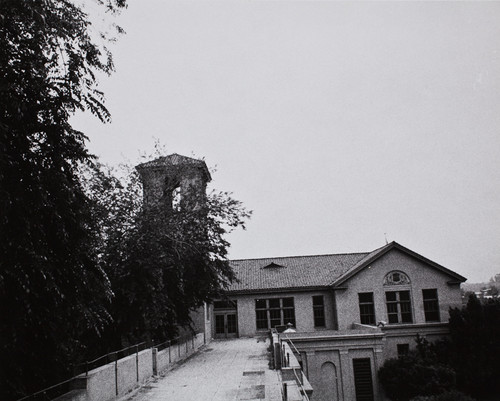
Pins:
x: 343, y: 355
x: 173, y: 180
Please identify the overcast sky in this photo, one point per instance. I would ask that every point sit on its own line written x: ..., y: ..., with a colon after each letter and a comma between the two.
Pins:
x: 335, y: 122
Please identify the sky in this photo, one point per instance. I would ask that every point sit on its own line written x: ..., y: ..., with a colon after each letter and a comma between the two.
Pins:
x: 340, y: 124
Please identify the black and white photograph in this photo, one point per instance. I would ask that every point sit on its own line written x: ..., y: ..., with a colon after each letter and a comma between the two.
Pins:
x: 241, y: 200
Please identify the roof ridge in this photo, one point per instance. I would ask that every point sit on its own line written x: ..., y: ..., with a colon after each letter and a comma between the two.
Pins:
x: 303, y: 256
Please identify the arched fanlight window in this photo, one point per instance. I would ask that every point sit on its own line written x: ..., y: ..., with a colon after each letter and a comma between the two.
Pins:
x: 396, y: 278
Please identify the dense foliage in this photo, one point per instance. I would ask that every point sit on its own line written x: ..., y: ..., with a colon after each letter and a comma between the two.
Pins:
x: 474, y: 347
x: 418, y: 373
x: 162, y: 263
x: 52, y: 291
x: 466, y: 363
x: 84, y: 268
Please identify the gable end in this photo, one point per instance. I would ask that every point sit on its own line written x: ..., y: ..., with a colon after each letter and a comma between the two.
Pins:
x: 378, y: 253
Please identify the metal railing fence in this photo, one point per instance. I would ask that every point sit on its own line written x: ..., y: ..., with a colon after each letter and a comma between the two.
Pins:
x: 65, y: 386
x: 300, y: 382
x: 290, y: 342
x: 286, y: 363
x: 113, y: 356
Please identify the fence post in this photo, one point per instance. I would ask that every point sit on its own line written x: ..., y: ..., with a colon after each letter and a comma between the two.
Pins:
x: 116, y: 373
x: 285, y: 392
x: 155, y: 361
x: 137, y: 361
x: 277, y: 357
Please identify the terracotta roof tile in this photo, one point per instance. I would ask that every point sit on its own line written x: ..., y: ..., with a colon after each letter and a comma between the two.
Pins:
x: 291, y: 272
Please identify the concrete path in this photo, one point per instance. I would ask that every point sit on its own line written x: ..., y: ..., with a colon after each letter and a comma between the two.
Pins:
x: 224, y: 370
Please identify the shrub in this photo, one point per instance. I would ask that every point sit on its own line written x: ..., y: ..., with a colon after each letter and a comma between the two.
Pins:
x: 417, y: 374
x: 411, y: 376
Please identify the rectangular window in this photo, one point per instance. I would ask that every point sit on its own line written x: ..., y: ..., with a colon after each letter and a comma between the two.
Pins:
x: 431, y: 305
x: 318, y: 311
x: 403, y: 350
x: 366, y: 308
x: 363, y: 382
x: 226, y: 304
x: 274, y: 312
x: 398, y: 306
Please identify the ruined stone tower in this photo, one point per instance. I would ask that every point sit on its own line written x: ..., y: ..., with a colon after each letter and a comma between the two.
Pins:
x: 174, y: 181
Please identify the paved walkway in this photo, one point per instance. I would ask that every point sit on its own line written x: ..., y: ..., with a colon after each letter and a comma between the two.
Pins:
x: 224, y: 370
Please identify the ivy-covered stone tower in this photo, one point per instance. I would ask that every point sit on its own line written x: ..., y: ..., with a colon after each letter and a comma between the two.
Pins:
x: 174, y: 181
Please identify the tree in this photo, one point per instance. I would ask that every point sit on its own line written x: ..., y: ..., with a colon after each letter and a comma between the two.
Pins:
x: 474, y: 349
x: 162, y: 263
x: 471, y: 354
x: 420, y: 373
x: 52, y: 291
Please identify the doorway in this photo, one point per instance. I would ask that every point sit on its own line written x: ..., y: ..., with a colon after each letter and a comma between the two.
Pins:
x: 226, y: 321
x: 225, y: 325
x: 363, y: 379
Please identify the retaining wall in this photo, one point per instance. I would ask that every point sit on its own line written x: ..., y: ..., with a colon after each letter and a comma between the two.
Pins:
x: 122, y: 376
x: 176, y: 352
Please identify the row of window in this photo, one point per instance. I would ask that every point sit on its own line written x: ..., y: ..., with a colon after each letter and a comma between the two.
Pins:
x: 399, y: 306
x: 274, y: 312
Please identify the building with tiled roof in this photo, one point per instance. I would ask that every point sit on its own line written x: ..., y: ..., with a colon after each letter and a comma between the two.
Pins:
x: 349, y: 312
x: 344, y: 314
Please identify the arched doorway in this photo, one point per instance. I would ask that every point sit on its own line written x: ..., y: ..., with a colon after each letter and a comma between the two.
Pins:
x: 328, y: 384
